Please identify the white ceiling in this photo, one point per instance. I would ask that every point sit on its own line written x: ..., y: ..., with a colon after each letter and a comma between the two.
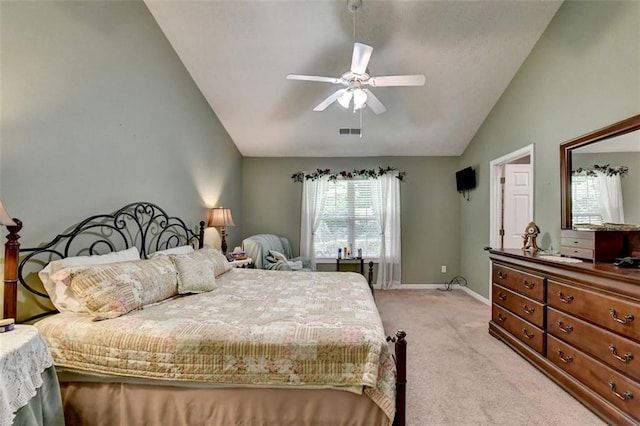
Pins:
x: 240, y: 52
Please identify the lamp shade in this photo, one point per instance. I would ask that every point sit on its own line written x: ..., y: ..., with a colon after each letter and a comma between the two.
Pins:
x: 220, y: 216
x: 345, y: 99
x: 5, y: 219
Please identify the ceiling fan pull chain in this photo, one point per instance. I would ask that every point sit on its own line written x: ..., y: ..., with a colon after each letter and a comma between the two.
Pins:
x: 361, y: 128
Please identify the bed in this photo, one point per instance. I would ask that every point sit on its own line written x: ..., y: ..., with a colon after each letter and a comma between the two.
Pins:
x: 248, y: 347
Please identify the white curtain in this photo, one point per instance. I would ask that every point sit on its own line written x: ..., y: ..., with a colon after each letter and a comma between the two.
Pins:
x: 386, y: 204
x: 312, y: 205
x: 611, y: 206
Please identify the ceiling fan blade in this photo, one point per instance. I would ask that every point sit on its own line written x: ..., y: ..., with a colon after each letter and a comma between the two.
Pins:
x: 360, y: 59
x: 374, y: 103
x: 313, y: 78
x: 397, y: 80
x: 331, y: 99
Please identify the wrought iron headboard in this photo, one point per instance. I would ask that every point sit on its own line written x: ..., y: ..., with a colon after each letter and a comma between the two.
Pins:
x: 142, y: 225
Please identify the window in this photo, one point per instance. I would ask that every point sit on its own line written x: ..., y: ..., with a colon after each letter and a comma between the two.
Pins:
x: 347, y: 219
x: 585, y: 196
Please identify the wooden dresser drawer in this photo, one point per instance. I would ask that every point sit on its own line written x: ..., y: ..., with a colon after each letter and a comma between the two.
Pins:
x: 572, y: 234
x: 577, y: 242
x: 522, y: 306
x: 613, y: 313
x: 577, y: 252
x: 530, y: 285
x: 615, y: 387
x: 523, y: 330
x: 614, y: 350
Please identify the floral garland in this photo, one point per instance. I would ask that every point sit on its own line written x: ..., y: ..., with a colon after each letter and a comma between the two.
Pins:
x: 364, y: 173
x: 606, y: 169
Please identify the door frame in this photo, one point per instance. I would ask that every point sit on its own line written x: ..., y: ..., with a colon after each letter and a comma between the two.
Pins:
x: 494, y: 195
x: 495, y: 189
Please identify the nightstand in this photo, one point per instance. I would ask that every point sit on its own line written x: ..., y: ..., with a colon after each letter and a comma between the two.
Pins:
x: 24, y: 355
x: 244, y: 263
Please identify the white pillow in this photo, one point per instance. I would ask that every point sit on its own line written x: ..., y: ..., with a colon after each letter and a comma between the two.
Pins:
x: 62, y: 296
x: 174, y: 250
x: 278, y: 256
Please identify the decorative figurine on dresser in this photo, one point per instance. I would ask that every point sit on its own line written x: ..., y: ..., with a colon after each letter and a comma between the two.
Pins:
x: 529, y: 238
x: 577, y: 317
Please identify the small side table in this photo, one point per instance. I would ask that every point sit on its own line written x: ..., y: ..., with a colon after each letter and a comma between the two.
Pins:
x: 244, y: 263
x: 351, y: 261
x: 26, y: 367
x: 354, y: 260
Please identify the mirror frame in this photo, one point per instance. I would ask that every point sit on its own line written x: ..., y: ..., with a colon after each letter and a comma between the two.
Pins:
x: 620, y: 128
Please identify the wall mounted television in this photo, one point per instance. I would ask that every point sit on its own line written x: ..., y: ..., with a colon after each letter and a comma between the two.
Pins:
x: 465, y: 179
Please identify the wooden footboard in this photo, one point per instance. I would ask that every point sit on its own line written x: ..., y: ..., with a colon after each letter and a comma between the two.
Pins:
x: 401, y: 377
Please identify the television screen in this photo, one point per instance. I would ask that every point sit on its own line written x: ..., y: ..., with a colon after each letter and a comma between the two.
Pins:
x: 465, y: 179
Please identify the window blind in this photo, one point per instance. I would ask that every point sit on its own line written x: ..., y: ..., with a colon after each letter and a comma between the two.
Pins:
x: 348, y: 220
x: 585, y: 195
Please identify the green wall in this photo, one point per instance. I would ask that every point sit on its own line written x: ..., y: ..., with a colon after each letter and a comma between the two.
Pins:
x: 97, y: 112
x: 430, y: 207
x: 583, y: 74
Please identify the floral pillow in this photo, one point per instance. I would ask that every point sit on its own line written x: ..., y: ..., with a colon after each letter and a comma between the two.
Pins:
x: 112, y: 290
x: 61, y: 295
x: 196, y: 272
x: 220, y: 262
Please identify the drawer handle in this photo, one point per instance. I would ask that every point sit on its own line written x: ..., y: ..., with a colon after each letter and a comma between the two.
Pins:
x: 528, y: 310
x: 628, y: 356
x: 563, y: 299
x: 501, y: 317
x: 502, y: 296
x: 502, y: 275
x: 566, y: 329
x: 527, y: 334
x: 566, y: 359
x: 627, y: 318
x: 529, y: 285
x: 623, y: 396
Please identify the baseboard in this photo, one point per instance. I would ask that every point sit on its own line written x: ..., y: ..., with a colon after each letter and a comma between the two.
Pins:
x: 441, y: 286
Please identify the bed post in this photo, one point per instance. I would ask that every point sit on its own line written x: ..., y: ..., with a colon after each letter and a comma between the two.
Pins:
x: 401, y: 378
x: 370, y: 276
x: 201, y: 235
x: 11, y: 249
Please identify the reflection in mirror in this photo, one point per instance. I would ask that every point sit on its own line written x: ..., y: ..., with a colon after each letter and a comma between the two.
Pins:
x: 600, y: 178
x: 605, y: 182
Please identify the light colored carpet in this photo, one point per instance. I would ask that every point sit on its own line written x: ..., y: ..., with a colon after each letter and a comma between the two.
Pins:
x: 459, y: 375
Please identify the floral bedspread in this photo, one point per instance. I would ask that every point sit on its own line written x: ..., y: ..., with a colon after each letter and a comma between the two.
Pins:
x: 256, y: 328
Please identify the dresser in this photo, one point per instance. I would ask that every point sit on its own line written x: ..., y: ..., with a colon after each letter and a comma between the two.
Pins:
x: 579, y: 323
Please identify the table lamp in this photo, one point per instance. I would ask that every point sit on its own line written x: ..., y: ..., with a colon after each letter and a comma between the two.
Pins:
x: 220, y: 217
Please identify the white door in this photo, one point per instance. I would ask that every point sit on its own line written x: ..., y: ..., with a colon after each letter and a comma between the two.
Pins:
x: 517, y: 203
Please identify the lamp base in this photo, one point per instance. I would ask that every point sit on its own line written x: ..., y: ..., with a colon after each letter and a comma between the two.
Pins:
x: 223, y: 242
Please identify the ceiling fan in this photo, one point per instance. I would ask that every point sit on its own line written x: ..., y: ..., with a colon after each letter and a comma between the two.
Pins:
x: 356, y: 82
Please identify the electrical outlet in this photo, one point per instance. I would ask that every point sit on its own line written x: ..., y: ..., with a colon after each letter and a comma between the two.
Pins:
x: 443, y: 268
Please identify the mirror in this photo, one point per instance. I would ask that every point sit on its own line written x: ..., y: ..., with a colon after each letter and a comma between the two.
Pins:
x: 613, y: 146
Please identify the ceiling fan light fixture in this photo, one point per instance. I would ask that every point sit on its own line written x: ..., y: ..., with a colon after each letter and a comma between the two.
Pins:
x: 345, y: 99
x: 359, y: 99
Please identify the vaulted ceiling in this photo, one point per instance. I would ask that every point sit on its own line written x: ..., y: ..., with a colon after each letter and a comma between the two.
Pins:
x: 240, y: 52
